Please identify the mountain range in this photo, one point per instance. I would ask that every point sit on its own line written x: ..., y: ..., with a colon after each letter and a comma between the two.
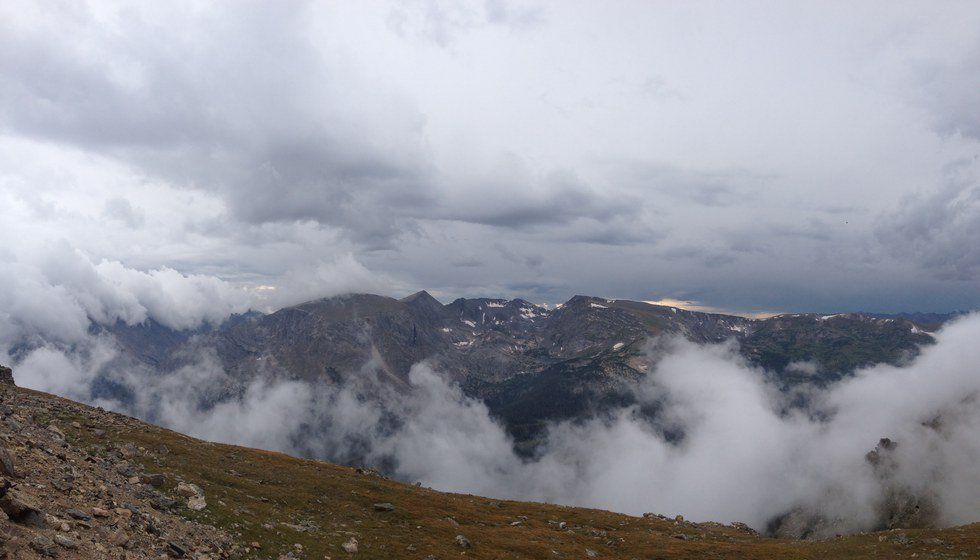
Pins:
x: 529, y: 363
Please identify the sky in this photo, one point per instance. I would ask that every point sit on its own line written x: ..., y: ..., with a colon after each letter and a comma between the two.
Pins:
x: 756, y: 157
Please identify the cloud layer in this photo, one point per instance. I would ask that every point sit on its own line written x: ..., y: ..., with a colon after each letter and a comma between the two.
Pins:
x: 56, y: 295
x: 718, y: 159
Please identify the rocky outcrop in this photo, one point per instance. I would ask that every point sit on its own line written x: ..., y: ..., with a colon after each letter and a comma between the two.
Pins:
x: 6, y: 376
x: 898, y: 505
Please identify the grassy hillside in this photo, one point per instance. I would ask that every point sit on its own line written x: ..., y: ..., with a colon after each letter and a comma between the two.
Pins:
x: 311, y: 509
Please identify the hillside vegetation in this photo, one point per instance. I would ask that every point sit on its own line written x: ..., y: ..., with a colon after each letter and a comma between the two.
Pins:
x: 135, y: 482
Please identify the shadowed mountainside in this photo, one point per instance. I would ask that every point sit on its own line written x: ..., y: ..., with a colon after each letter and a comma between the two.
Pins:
x: 530, y: 364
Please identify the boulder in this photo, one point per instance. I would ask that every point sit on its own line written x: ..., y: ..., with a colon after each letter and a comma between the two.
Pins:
x: 7, y: 465
x: 176, y: 550
x: 21, y: 510
x: 44, y: 546
x: 78, y: 514
x: 189, y: 490
x: 65, y: 541
x: 155, y: 480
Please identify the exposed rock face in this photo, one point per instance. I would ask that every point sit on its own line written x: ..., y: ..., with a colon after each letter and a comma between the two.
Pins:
x: 6, y: 376
x: 804, y: 523
x: 492, y: 340
x: 898, y: 505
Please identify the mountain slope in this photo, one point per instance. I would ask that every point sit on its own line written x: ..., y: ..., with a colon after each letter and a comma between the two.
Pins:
x: 263, y: 505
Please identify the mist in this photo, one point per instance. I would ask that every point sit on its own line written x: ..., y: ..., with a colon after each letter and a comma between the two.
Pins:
x: 742, y: 453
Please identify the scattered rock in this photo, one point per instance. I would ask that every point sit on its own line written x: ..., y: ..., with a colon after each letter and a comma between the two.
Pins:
x: 78, y: 514
x: 744, y: 528
x: 350, y: 546
x: 94, y: 512
x: 176, y: 550
x: 189, y: 490
x: 163, y: 503
x: 22, y: 510
x: 463, y: 542
x: 155, y: 480
x: 44, y: 546
x: 128, y: 450
x: 119, y: 538
x: 7, y: 465
x: 196, y: 503
x: 591, y: 553
x: 384, y: 506
x: 65, y: 541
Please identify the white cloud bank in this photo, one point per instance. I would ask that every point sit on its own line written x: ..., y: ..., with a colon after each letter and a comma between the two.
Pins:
x: 56, y: 293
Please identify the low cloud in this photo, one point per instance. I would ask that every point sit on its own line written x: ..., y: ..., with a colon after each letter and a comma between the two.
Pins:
x: 57, y: 293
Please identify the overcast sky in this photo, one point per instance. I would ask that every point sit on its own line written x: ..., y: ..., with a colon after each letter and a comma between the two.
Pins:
x: 782, y: 156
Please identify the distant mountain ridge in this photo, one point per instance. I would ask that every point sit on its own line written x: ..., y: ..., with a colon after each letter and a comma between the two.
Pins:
x: 529, y: 363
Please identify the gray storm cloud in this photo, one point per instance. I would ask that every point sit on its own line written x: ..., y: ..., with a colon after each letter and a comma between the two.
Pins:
x: 249, y: 140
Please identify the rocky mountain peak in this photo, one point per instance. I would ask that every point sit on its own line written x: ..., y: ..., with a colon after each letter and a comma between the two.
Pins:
x: 423, y: 302
x: 421, y: 297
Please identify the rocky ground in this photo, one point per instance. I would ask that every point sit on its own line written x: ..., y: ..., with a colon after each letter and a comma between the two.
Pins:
x: 79, y: 482
x: 58, y: 499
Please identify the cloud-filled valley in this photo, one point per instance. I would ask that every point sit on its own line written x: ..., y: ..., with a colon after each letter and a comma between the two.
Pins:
x: 774, y: 209
x: 724, y: 443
